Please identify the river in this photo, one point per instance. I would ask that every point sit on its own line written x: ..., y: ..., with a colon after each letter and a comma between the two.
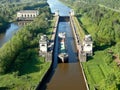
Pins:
x: 64, y: 76
x: 54, y: 5
x: 4, y: 37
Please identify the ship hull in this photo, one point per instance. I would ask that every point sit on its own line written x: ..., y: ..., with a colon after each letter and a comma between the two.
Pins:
x: 62, y: 58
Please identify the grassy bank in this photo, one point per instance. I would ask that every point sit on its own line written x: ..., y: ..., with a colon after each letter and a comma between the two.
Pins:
x: 21, y: 67
x: 96, y: 69
x: 101, y: 65
x: 28, y: 69
x: 10, y: 8
x: 29, y: 75
x: 79, y: 30
x: 101, y: 70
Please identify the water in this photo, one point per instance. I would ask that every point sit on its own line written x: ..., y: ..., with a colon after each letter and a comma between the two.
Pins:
x: 67, y: 76
x: 57, y: 5
x: 4, y: 37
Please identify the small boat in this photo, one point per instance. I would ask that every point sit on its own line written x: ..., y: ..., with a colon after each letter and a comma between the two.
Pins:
x: 62, y: 56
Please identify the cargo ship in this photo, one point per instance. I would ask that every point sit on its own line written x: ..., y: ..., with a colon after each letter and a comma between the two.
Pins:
x: 62, y: 56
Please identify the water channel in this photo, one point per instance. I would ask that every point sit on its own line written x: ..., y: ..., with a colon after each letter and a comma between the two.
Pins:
x: 64, y: 76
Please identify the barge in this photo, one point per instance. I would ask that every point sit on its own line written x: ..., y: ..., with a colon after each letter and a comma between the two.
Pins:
x: 62, y: 56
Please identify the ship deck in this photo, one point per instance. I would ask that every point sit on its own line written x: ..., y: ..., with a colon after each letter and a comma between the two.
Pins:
x: 62, y: 48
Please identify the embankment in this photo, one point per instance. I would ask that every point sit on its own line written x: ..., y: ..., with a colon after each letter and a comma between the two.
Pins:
x: 53, y: 37
x: 78, y: 43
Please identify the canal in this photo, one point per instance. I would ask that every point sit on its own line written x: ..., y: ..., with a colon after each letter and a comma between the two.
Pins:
x: 64, y: 76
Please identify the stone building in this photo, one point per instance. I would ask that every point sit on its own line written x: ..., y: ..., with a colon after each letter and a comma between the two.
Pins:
x: 43, y: 44
x: 27, y: 14
x: 57, y: 13
x: 72, y: 12
x: 88, y: 45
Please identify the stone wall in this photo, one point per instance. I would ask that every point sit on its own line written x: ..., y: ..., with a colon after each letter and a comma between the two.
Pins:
x: 51, y: 54
x: 78, y: 46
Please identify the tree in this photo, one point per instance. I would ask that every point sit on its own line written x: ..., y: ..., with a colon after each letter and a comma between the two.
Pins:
x: 118, y: 49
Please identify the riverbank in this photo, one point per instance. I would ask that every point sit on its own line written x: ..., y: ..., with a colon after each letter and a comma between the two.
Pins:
x: 30, y: 74
x: 101, y: 70
x: 10, y: 9
x: 21, y: 66
x: 101, y: 67
x: 53, y: 41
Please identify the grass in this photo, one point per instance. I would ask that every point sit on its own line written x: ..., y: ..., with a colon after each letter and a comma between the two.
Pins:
x: 96, y: 69
x: 90, y: 27
x: 79, y: 29
x: 52, y: 24
x: 33, y: 69
x: 32, y: 73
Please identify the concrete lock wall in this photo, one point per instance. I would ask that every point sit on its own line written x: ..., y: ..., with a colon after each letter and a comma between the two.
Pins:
x: 78, y: 46
x: 50, y: 68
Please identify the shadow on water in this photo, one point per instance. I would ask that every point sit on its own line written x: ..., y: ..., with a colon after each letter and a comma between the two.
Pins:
x: 4, y: 88
x: 46, y: 80
x: 4, y: 37
x: 64, y: 19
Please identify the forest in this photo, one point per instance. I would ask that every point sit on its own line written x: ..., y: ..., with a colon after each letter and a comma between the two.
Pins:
x: 22, y: 40
x: 114, y: 4
x: 20, y: 63
x: 103, y: 23
x: 9, y: 8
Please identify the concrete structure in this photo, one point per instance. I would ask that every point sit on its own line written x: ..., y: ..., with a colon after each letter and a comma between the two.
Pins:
x: 72, y: 13
x: 81, y: 55
x: 27, y: 14
x: 57, y: 13
x: 88, y: 45
x: 43, y: 44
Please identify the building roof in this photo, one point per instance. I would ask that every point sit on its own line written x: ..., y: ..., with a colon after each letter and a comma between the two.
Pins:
x: 28, y: 11
x: 43, y: 39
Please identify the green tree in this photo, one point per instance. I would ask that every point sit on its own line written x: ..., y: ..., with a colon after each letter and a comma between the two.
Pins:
x: 109, y: 83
